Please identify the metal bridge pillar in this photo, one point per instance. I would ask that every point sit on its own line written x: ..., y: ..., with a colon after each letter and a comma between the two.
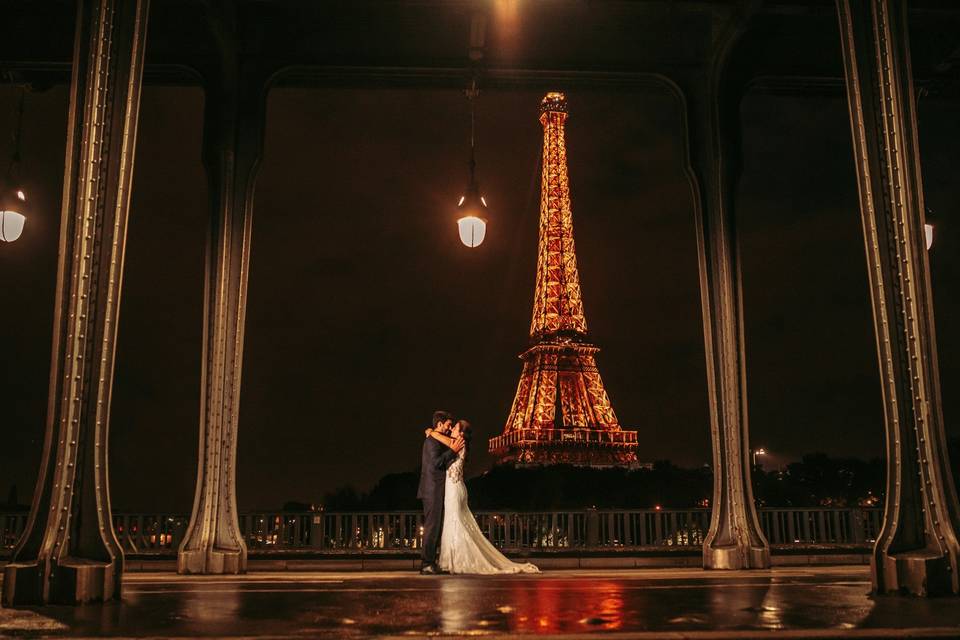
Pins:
x: 232, y: 148
x: 916, y: 550
x: 734, y: 539
x: 69, y: 552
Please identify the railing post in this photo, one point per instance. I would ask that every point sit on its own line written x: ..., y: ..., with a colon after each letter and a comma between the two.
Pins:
x: 138, y: 541
x: 776, y: 520
x: 593, y: 527
x: 389, y: 527
x: 177, y: 531
x: 858, y: 525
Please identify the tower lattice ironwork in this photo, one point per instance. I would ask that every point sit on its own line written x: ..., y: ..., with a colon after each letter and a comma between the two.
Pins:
x: 561, y: 412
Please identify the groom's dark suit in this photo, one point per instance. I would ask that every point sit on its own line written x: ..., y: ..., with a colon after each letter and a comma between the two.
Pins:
x: 434, y: 460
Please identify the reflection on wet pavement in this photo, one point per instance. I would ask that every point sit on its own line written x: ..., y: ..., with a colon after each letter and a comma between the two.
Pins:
x: 553, y: 603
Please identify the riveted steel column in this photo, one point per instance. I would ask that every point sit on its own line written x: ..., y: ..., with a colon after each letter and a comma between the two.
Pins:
x: 917, y: 548
x: 233, y: 142
x: 734, y: 539
x: 69, y: 552
x: 711, y: 99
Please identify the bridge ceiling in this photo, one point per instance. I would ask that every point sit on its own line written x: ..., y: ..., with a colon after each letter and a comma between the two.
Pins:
x: 426, y: 41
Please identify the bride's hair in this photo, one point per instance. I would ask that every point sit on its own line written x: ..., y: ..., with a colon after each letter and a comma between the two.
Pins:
x: 466, y: 430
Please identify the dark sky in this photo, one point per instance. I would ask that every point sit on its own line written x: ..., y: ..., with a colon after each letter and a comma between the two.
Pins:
x: 366, y: 313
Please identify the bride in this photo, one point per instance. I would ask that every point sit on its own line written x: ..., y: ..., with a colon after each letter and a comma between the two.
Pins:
x: 463, y: 547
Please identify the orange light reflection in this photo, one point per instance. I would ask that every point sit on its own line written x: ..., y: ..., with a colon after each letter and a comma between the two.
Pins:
x: 557, y: 606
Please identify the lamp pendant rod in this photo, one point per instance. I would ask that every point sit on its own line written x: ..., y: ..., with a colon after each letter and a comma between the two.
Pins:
x: 17, y: 137
x: 471, y: 97
x: 473, y: 150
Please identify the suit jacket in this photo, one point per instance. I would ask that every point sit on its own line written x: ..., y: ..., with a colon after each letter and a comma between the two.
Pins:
x: 435, y: 457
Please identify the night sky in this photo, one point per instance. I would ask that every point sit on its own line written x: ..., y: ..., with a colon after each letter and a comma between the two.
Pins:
x: 366, y: 313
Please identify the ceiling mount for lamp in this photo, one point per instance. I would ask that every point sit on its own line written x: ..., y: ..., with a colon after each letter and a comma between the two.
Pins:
x: 13, y: 197
x: 472, y: 207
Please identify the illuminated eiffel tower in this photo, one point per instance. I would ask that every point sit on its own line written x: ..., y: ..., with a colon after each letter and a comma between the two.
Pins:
x: 561, y: 412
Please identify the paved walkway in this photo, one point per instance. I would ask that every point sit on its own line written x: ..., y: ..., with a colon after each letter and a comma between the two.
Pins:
x: 671, y: 603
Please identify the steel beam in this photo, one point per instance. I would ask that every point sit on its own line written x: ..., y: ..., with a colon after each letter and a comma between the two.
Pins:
x: 232, y: 148
x: 711, y: 101
x: 916, y: 550
x: 69, y: 552
x: 734, y: 539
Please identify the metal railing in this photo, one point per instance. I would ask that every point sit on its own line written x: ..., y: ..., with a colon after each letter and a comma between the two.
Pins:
x: 573, y: 436
x: 586, y: 529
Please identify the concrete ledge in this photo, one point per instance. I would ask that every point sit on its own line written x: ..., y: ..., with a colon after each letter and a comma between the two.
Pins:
x: 135, y: 564
x: 794, y: 560
x: 402, y: 560
x: 548, y: 563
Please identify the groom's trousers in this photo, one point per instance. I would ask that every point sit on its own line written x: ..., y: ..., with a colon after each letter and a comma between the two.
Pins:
x: 432, y: 524
x: 435, y: 458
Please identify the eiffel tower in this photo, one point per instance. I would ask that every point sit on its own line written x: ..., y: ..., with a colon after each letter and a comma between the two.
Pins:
x: 561, y: 412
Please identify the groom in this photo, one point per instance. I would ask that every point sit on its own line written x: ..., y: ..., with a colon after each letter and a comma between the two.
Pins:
x: 434, y: 459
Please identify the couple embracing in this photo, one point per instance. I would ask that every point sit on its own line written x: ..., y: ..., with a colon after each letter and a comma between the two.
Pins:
x: 446, y: 516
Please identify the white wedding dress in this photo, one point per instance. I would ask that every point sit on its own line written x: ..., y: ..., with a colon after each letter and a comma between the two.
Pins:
x: 463, y: 547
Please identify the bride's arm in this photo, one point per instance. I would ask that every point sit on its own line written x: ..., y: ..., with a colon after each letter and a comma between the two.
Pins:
x: 450, y: 453
x: 447, y: 440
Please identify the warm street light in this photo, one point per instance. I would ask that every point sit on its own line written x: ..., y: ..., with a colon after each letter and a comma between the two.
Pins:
x: 13, y: 199
x: 11, y: 221
x: 472, y: 222
x: 928, y: 223
x: 758, y: 452
x: 472, y: 208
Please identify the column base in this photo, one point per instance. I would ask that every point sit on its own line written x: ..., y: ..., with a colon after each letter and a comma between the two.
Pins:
x: 736, y: 557
x: 915, y: 573
x: 213, y: 561
x: 73, y: 581
x: 22, y: 584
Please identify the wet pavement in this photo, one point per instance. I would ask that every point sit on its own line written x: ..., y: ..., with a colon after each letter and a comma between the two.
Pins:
x: 677, y: 603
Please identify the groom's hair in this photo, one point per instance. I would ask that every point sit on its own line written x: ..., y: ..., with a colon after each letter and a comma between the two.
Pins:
x: 440, y: 416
